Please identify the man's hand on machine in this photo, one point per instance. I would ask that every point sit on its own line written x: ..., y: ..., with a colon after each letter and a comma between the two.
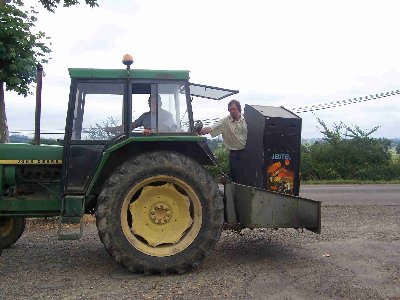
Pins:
x: 147, y: 131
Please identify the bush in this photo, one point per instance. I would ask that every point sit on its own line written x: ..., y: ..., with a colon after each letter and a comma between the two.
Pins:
x: 348, y: 157
x: 222, y: 167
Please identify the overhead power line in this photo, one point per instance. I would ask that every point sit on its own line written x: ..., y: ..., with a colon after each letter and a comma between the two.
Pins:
x: 343, y: 102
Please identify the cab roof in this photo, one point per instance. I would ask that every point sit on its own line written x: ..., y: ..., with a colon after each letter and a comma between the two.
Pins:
x: 123, y: 73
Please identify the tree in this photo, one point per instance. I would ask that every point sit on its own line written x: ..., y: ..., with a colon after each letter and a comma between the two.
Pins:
x: 50, y: 5
x: 331, y: 136
x: 21, y: 50
x: 99, y: 132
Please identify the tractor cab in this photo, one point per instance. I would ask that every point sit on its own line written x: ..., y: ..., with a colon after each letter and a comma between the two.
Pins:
x: 105, y: 104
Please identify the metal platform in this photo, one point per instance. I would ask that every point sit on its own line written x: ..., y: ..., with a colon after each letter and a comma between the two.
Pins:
x: 257, y: 208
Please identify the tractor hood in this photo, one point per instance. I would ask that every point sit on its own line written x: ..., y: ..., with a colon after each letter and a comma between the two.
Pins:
x: 17, y: 154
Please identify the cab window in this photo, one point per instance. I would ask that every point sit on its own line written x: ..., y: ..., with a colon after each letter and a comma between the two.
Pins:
x: 160, y: 107
x: 98, y: 106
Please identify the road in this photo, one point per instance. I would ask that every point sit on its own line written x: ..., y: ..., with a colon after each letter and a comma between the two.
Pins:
x: 352, y: 194
x: 357, y: 256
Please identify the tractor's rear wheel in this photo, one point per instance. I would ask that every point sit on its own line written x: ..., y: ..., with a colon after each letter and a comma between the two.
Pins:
x: 11, y: 230
x: 160, y: 213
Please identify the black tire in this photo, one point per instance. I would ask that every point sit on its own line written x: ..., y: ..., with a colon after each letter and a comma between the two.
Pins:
x: 182, y: 180
x: 11, y: 230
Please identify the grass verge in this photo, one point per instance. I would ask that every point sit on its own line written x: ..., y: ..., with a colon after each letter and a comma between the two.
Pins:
x: 349, y: 182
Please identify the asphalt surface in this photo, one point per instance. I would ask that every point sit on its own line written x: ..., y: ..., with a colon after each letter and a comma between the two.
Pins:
x: 357, y: 256
x: 353, y: 194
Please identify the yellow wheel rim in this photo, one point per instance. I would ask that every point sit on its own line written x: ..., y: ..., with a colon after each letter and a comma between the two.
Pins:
x: 161, y: 216
x: 6, y: 226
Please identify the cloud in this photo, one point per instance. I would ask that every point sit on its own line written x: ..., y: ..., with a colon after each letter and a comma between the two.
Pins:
x: 102, y: 40
x: 121, y: 7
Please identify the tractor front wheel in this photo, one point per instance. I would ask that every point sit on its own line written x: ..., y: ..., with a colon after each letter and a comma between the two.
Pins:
x: 11, y: 230
x: 160, y: 213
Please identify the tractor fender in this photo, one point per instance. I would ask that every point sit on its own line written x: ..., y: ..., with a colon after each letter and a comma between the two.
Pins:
x: 117, y: 154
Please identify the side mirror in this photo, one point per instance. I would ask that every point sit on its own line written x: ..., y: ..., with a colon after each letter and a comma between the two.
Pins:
x: 198, y: 126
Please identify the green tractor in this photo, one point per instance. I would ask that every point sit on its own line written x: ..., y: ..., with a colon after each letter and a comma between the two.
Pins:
x: 157, y: 208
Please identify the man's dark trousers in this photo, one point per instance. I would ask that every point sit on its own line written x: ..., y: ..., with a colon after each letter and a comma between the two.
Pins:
x: 234, y: 158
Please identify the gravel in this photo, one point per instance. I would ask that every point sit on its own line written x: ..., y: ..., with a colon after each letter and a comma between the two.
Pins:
x: 357, y: 256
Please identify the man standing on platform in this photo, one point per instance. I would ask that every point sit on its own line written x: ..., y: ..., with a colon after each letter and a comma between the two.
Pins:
x: 234, y: 135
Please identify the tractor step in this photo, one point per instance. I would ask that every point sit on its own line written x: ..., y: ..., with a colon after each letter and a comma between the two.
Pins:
x: 70, y: 225
x: 70, y: 228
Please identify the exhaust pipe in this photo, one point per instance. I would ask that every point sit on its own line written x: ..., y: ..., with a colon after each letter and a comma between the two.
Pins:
x: 38, y: 108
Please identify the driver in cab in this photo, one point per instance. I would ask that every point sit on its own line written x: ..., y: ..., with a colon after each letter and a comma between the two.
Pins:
x: 165, y: 119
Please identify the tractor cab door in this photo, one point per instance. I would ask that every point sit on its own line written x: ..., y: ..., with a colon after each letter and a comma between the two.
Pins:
x: 210, y: 92
x: 95, y: 119
x: 204, y: 105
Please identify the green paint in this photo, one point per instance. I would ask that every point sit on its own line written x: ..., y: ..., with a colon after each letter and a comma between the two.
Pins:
x: 73, y: 206
x: 1, y: 180
x: 23, y: 205
x: 156, y: 138
x: 16, y: 151
x: 123, y: 73
x: 110, y: 150
x: 9, y: 175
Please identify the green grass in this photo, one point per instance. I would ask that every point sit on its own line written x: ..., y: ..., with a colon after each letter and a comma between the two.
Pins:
x: 349, y: 182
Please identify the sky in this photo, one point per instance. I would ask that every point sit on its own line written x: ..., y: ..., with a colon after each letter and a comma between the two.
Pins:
x: 276, y: 53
